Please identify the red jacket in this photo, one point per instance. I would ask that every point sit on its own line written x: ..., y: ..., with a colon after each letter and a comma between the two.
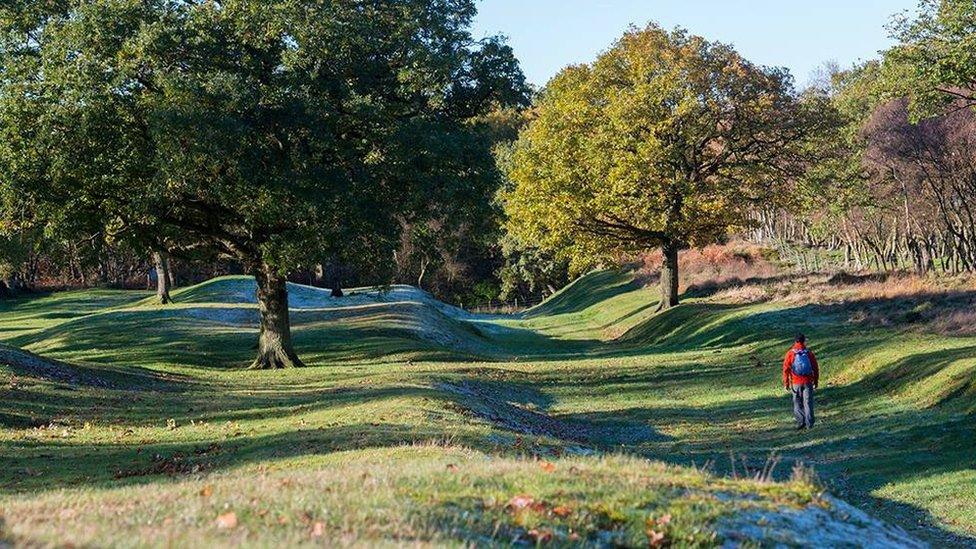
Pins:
x: 789, y: 378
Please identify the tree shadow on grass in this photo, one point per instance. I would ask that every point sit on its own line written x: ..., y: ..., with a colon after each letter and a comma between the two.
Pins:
x: 51, y: 458
x: 225, y: 338
x: 917, y: 369
x: 47, y: 465
x: 854, y: 452
x: 61, y: 454
x: 77, y: 303
x: 858, y: 438
x: 585, y: 292
x: 523, y: 409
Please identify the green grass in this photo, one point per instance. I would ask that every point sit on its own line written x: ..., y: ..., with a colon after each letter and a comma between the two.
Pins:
x: 410, y: 425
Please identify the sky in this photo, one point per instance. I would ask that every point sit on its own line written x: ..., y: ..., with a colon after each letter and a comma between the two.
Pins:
x: 800, y: 35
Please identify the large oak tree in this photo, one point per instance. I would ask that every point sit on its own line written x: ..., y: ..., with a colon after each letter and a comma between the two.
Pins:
x: 665, y: 141
x: 265, y: 131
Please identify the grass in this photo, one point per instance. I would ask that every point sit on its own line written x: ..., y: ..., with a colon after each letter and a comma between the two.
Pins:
x: 415, y: 426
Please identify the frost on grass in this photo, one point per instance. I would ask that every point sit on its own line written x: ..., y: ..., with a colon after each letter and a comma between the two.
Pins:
x: 241, y: 290
x: 406, y: 308
x: 825, y: 523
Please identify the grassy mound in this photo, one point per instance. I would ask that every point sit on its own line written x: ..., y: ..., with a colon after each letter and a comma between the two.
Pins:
x: 214, y: 325
x: 240, y: 290
x: 419, y: 423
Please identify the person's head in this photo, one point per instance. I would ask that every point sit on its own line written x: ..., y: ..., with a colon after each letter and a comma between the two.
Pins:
x: 801, y: 339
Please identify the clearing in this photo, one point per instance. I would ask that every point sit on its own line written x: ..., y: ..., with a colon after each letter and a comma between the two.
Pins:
x: 587, y: 419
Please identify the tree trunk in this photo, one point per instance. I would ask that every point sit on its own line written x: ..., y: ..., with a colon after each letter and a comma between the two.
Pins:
x: 669, y: 277
x: 171, y: 273
x: 161, y: 259
x: 336, y: 285
x: 275, y: 350
x: 423, y: 272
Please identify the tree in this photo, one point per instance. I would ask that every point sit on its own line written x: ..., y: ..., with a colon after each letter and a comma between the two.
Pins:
x: 664, y: 141
x: 530, y: 273
x: 263, y: 131
x: 448, y: 246
x: 163, y: 278
x: 935, y: 62
x: 890, y: 185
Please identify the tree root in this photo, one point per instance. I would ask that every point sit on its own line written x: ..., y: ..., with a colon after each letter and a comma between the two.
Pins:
x: 661, y: 307
x: 276, y: 359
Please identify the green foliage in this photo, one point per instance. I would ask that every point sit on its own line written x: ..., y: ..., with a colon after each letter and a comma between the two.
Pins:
x: 14, y: 251
x: 530, y: 272
x: 275, y: 133
x: 666, y: 139
x: 448, y: 246
x: 484, y: 292
x: 263, y: 131
x: 834, y: 182
x: 935, y: 62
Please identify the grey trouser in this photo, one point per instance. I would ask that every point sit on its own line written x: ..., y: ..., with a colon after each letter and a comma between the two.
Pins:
x: 803, y: 405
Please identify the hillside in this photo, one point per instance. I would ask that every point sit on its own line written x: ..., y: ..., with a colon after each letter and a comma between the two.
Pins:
x: 586, y: 419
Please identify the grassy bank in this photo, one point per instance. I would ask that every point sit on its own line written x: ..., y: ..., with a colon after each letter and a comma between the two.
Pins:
x: 417, y: 423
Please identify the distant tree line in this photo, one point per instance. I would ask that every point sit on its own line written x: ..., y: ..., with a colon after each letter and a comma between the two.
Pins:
x: 893, y: 187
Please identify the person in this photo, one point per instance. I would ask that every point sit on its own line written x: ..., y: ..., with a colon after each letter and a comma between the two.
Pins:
x: 801, y: 375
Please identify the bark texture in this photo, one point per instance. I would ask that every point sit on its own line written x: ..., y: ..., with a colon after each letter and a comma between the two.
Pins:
x: 669, y: 277
x: 163, y: 279
x: 275, y: 350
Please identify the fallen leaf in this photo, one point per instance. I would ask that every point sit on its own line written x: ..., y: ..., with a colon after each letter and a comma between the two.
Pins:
x: 206, y: 491
x: 548, y: 466
x: 227, y: 520
x: 562, y: 511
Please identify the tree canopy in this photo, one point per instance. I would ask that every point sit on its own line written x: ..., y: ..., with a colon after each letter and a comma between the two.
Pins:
x: 264, y: 131
x: 934, y: 63
x: 665, y: 141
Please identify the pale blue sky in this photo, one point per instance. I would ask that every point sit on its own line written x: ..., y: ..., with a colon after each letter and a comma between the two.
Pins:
x: 547, y: 35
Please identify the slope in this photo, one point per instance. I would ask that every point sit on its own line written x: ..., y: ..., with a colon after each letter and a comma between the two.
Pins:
x: 510, y: 429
